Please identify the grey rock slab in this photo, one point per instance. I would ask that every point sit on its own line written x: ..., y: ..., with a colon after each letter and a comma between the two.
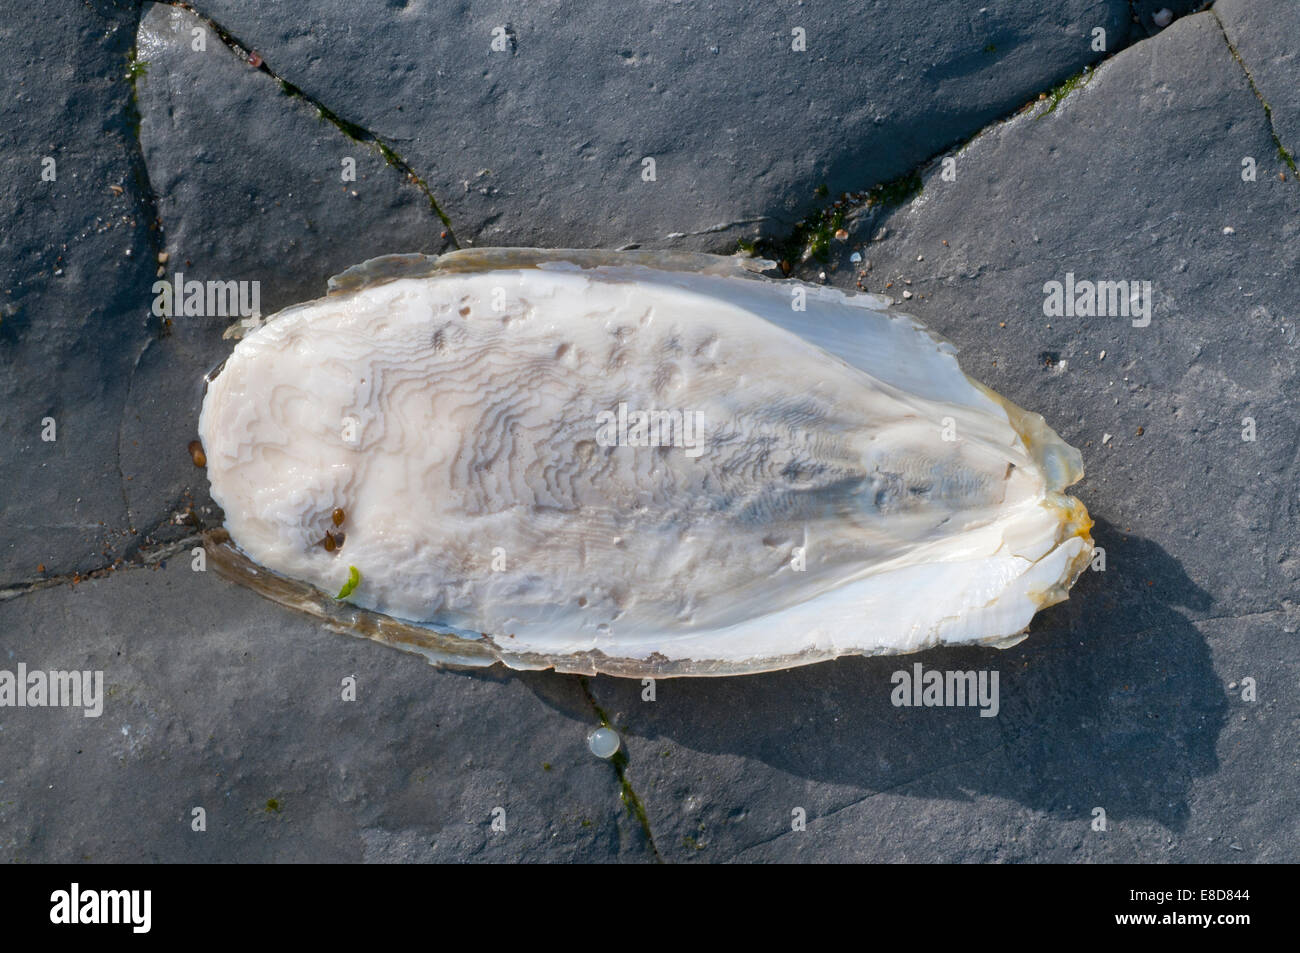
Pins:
x: 1131, y: 697
x: 253, y: 186
x: 1118, y: 698
x: 219, y: 699
x: 1135, y: 176
x: 542, y: 141
x: 76, y: 256
x: 1087, y: 716
x: 1263, y: 33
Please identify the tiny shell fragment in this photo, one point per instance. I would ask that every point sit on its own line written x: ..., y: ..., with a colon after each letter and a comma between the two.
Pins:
x: 638, y: 463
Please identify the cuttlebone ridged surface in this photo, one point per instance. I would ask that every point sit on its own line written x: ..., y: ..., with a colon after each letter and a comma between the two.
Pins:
x: 456, y: 419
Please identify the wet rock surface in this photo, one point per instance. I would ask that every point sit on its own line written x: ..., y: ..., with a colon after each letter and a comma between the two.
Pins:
x: 215, y: 144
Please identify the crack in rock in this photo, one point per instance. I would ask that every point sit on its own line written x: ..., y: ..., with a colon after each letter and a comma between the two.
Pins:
x: 631, y: 800
x: 348, y: 128
x: 886, y: 195
x: 1285, y: 154
x: 141, y: 559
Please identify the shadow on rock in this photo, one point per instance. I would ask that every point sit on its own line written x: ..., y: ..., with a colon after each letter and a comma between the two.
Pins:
x: 1110, y: 702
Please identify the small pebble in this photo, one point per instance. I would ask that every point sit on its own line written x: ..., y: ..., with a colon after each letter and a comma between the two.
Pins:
x: 920, y: 258
x: 603, y: 742
x: 162, y: 257
x: 1163, y: 17
x: 254, y: 60
x: 337, y: 516
x: 907, y: 295
x: 1229, y: 230
x: 197, y: 455
x: 855, y: 257
x: 1101, y: 356
x: 841, y: 235
x: 1105, y: 438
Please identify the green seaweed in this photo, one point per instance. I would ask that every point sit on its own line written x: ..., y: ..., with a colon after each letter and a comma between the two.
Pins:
x: 1057, y: 93
x: 896, y: 191
x: 354, y: 580
x: 811, y: 238
x: 136, y: 68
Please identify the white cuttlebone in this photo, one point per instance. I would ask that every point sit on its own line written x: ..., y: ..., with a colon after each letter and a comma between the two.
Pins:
x: 277, y: 477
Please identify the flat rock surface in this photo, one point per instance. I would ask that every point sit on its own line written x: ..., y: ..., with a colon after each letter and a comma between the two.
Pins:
x: 76, y: 258
x: 216, y: 144
x: 531, y: 122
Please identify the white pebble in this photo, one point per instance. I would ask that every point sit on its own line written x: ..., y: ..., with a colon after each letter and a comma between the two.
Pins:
x: 855, y: 257
x: 603, y: 742
x: 1229, y: 230
x: 1105, y: 439
x: 907, y: 294
x: 1101, y: 356
x: 1163, y: 17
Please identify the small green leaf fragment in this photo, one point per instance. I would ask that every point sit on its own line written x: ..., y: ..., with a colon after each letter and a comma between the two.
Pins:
x: 354, y: 580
